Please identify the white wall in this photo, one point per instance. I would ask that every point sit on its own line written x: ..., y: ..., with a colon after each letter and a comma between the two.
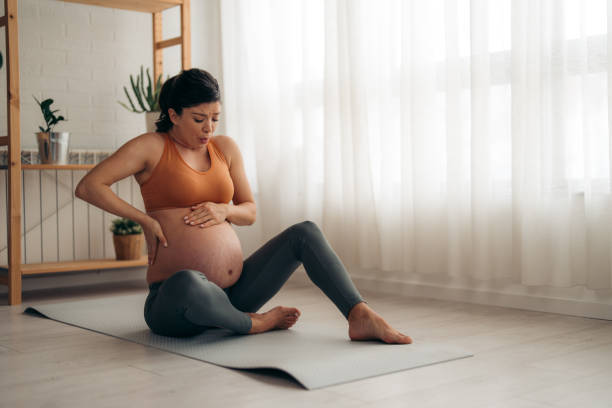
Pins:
x: 82, y: 56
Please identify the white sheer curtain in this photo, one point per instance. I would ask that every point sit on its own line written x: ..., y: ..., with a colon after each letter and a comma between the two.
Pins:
x: 441, y: 137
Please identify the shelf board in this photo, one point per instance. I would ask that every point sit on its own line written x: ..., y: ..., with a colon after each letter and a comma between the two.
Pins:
x: 150, y: 6
x: 58, y: 166
x: 52, y: 166
x: 73, y: 266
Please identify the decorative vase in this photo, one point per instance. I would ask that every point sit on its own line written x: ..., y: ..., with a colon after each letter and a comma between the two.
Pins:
x: 53, y: 147
x: 128, y: 246
x: 151, y: 118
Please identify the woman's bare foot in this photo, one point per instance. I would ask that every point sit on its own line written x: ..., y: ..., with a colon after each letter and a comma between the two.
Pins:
x: 366, y: 324
x: 278, y: 318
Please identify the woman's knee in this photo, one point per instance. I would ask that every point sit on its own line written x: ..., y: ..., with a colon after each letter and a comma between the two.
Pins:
x: 305, y: 229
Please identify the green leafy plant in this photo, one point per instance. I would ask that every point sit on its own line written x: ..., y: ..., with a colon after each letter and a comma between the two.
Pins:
x: 49, y: 115
x: 125, y: 226
x: 147, y: 97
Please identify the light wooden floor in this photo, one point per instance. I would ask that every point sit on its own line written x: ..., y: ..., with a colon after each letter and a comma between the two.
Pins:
x: 522, y: 359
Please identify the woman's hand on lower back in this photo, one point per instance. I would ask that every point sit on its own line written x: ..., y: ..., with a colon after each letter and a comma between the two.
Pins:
x: 154, y: 236
x: 207, y: 214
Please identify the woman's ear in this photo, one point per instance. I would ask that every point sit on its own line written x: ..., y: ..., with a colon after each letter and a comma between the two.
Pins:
x: 174, y: 117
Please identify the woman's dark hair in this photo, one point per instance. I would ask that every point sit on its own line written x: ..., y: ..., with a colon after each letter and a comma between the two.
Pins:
x: 189, y: 88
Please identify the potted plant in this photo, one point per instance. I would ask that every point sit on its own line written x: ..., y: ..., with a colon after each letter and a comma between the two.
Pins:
x: 127, y: 238
x: 147, y: 97
x: 52, y: 146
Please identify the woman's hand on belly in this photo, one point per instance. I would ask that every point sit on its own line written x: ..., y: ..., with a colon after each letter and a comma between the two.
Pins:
x: 207, y: 214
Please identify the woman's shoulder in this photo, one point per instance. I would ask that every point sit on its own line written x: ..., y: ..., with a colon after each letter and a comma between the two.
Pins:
x: 147, y: 143
x: 149, y: 138
x: 223, y: 141
x: 227, y: 146
x: 148, y: 147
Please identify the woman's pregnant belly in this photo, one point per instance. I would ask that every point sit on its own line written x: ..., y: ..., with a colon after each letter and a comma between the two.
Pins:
x: 215, y: 251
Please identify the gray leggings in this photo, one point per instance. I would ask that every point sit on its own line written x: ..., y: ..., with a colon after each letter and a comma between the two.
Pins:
x: 187, y: 303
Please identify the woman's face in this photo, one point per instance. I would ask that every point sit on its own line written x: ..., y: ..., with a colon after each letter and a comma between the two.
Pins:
x: 196, y: 125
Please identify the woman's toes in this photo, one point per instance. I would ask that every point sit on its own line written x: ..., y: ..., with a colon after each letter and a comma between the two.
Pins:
x: 286, y: 316
x: 396, y: 337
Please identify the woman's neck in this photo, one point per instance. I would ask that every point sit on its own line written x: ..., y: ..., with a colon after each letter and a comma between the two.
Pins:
x: 174, y: 136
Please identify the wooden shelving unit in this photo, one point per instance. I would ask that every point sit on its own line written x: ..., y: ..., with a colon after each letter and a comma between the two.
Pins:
x: 11, y: 275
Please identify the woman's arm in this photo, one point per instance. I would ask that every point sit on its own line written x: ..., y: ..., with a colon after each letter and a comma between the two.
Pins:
x: 244, y: 210
x: 208, y: 214
x: 241, y: 214
x: 129, y: 159
x: 95, y: 186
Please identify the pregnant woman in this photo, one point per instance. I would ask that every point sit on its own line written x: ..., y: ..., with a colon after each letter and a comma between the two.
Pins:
x: 197, y: 278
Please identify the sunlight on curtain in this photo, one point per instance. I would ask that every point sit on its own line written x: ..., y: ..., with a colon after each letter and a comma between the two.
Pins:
x: 447, y: 137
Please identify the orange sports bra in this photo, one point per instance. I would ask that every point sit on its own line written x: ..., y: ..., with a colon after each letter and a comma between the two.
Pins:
x: 175, y: 184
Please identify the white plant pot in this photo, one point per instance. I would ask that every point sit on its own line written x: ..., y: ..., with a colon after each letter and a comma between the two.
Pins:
x: 151, y: 118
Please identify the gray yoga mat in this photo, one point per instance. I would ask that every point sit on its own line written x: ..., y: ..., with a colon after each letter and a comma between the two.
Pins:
x: 316, y: 355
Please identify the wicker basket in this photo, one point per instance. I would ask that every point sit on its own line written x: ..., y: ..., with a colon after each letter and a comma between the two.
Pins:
x: 128, y: 246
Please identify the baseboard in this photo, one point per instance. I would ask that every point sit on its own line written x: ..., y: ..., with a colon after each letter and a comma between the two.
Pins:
x: 572, y: 307
x: 540, y: 303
